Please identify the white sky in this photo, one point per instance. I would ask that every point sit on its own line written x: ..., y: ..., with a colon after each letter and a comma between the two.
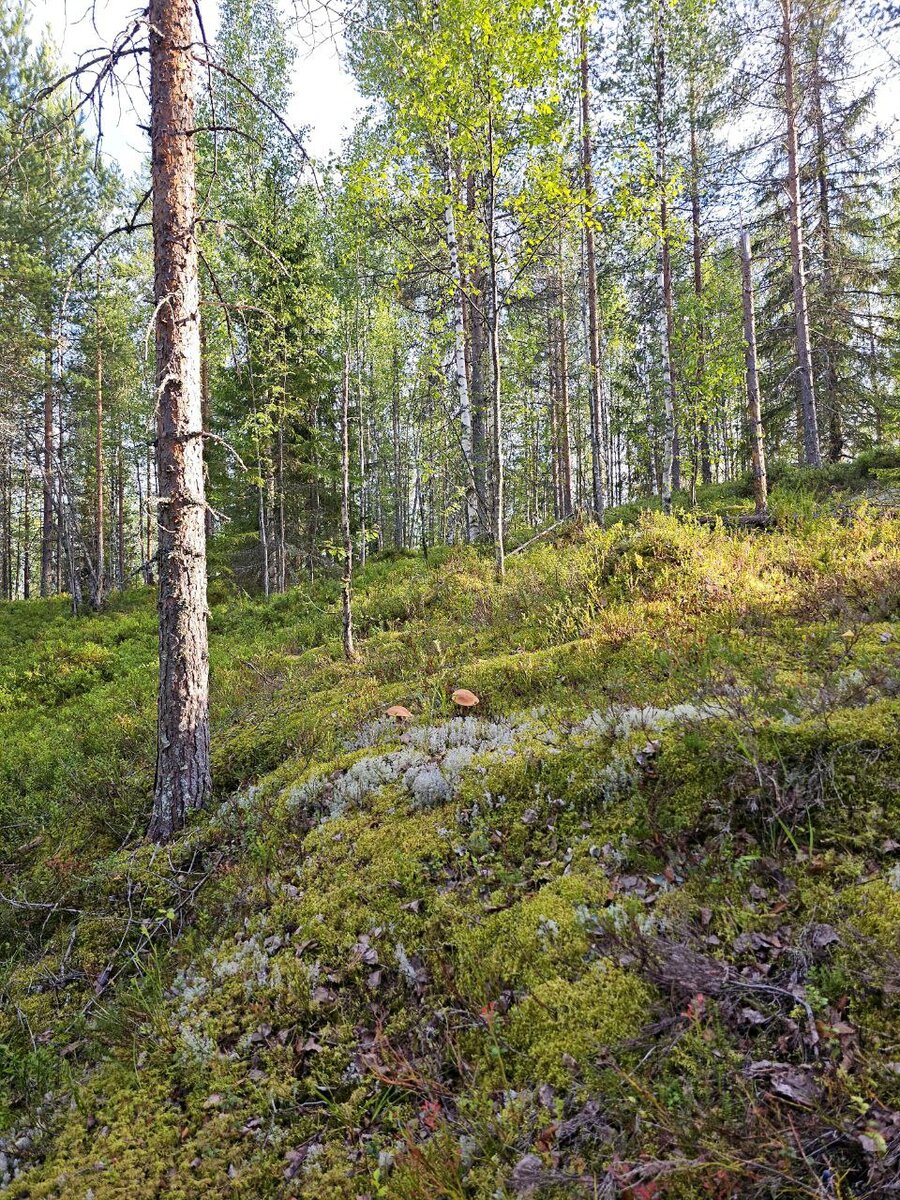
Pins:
x: 325, y: 99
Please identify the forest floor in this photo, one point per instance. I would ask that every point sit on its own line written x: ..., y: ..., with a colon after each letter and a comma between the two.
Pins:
x: 631, y: 930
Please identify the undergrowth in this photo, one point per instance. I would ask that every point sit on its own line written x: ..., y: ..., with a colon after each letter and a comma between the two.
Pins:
x: 631, y: 931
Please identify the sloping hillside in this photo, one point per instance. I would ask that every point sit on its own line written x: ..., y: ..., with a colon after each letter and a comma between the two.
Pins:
x: 629, y: 928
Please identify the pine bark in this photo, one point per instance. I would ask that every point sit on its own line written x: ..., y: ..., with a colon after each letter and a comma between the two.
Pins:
x: 183, y: 778
x: 811, y: 450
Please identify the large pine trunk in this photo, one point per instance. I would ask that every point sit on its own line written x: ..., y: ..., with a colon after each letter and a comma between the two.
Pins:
x: 183, y: 779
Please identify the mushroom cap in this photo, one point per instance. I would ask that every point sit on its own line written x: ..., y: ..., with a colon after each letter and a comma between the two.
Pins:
x: 398, y: 711
x: 464, y: 698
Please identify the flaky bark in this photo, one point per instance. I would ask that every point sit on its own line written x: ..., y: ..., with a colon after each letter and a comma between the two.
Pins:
x: 183, y: 780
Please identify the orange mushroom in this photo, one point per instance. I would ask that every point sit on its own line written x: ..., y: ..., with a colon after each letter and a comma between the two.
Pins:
x: 399, y: 713
x: 464, y: 698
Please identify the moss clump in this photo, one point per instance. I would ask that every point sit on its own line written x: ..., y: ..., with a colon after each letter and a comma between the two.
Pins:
x: 543, y: 936
x: 563, y: 1025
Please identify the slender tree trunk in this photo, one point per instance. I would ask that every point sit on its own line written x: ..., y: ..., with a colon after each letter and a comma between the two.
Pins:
x: 263, y: 535
x: 829, y: 369
x: 48, y: 531
x: 4, y: 519
x: 754, y: 414
x: 596, y: 401
x: 461, y: 380
x: 811, y: 451
x: 183, y: 777
x: 496, y: 413
x: 148, y: 578
x: 477, y: 343
x: 205, y: 416
x: 399, y: 522
x: 670, y: 456
x: 26, y: 533
x: 281, y: 555
x: 697, y: 248
x: 120, y: 515
x: 565, y: 433
x: 98, y: 579
x: 363, y: 476
x: 347, y: 581
x: 553, y: 373
x: 62, y: 557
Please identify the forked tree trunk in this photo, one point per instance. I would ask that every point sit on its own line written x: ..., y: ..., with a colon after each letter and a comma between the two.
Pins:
x: 183, y: 779
x: 811, y: 451
x: 347, y: 580
x: 598, y: 452
x: 754, y: 414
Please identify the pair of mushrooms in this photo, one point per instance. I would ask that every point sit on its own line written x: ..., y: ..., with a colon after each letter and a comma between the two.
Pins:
x: 462, y: 698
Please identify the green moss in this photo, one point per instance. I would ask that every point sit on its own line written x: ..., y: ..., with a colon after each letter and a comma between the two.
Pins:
x: 578, y: 1020
x: 543, y: 936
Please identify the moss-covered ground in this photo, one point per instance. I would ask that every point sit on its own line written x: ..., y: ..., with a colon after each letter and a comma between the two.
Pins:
x: 631, y: 930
